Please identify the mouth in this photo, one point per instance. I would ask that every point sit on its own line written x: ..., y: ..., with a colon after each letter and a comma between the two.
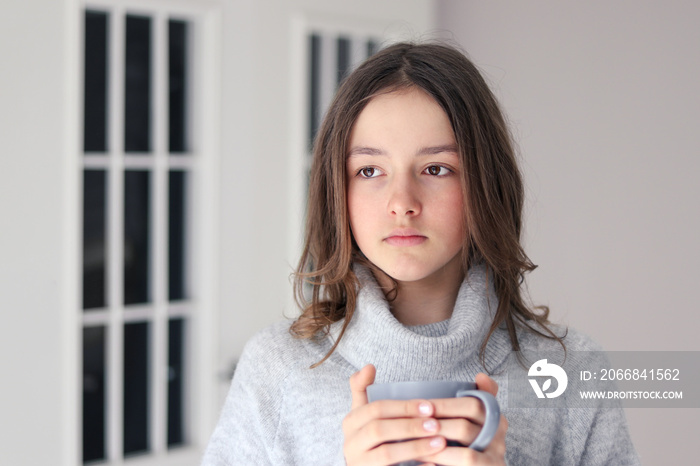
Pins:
x: 405, y: 237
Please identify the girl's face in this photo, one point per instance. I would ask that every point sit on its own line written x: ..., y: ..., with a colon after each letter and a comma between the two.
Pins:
x: 404, y: 194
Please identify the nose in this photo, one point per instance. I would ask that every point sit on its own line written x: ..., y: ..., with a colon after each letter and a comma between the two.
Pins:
x: 403, y: 197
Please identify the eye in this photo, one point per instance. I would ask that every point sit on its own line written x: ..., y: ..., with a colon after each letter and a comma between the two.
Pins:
x: 369, y: 172
x: 438, y: 170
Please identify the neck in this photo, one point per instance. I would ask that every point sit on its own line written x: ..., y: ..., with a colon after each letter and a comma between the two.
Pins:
x: 374, y: 335
x: 426, y: 301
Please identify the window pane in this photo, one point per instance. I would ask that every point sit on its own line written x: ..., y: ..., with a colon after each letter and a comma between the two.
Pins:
x: 137, y: 214
x: 176, y: 381
x: 136, y: 400
x: 94, y: 244
x: 343, y: 58
x: 93, y: 393
x: 95, y: 81
x: 137, y: 91
x: 176, y: 235
x: 177, y: 65
x: 315, y: 82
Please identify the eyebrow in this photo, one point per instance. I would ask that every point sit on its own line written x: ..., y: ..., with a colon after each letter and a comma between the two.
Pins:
x: 438, y: 149
x: 365, y: 151
x: 431, y: 150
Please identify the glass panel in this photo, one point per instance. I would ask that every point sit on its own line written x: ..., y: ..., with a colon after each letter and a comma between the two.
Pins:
x: 137, y: 215
x: 137, y: 89
x: 94, y: 244
x: 95, y: 82
x: 177, y: 244
x: 176, y: 381
x: 136, y: 400
x: 343, y: 58
x: 177, y: 65
x: 372, y: 47
x: 314, y: 83
x: 93, y: 393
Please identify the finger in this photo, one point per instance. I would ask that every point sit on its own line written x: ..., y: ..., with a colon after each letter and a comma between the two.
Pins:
x: 392, y: 453
x: 359, y: 382
x: 386, y: 409
x: 467, y: 407
x: 380, y: 431
x: 486, y: 383
x: 456, y: 456
x: 464, y: 432
x: 497, y: 446
x: 459, y: 430
x: 496, y: 450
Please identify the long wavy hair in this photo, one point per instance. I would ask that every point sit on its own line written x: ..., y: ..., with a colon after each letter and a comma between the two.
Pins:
x: 325, y: 286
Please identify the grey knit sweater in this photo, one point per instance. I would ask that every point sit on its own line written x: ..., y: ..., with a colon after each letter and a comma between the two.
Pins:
x: 280, y: 412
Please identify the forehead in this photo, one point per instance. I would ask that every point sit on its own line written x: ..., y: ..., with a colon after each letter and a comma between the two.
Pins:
x: 402, y: 118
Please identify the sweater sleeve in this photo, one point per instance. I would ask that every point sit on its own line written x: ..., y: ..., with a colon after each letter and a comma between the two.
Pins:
x: 608, y: 441
x: 590, y: 435
x: 604, y: 437
x: 247, y: 426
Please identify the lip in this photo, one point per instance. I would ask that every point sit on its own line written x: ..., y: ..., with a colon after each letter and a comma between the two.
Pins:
x: 405, y: 237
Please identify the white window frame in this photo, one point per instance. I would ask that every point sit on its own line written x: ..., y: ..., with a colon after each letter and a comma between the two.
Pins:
x: 201, y: 165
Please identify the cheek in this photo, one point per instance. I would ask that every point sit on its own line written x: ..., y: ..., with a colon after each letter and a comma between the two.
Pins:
x: 451, y: 210
x: 356, y: 208
x: 362, y: 214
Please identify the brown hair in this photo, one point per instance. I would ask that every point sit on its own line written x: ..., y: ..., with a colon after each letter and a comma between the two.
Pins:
x: 492, y: 185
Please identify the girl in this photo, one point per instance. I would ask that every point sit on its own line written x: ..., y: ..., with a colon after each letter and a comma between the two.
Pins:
x: 412, y: 267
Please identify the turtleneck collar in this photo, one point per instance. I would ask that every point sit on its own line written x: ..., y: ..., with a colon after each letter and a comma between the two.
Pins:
x: 375, y: 336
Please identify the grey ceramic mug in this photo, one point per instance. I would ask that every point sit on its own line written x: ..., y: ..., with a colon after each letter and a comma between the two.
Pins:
x: 430, y: 390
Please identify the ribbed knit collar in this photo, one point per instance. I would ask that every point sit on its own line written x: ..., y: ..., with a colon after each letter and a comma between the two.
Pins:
x: 375, y: 336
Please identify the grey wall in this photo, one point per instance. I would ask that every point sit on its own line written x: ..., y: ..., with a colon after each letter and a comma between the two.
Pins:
x: 603, y: 98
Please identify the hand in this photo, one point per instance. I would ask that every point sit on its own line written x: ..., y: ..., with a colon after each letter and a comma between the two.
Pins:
x: 369, y: 426
x: 460, y: 420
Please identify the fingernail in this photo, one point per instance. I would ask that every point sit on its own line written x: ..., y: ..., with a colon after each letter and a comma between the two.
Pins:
x: 430, y: 425
x: 436, y: 442
x: 425, y: 408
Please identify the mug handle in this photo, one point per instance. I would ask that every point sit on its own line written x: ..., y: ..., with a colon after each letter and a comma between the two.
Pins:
x: 493, y: 418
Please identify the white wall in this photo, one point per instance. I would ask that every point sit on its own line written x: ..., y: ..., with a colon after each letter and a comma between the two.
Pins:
x: 38, y: 197
x: 603, y: 98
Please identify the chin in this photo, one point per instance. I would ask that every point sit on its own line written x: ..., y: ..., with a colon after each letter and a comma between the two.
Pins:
x: 408, y: 273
